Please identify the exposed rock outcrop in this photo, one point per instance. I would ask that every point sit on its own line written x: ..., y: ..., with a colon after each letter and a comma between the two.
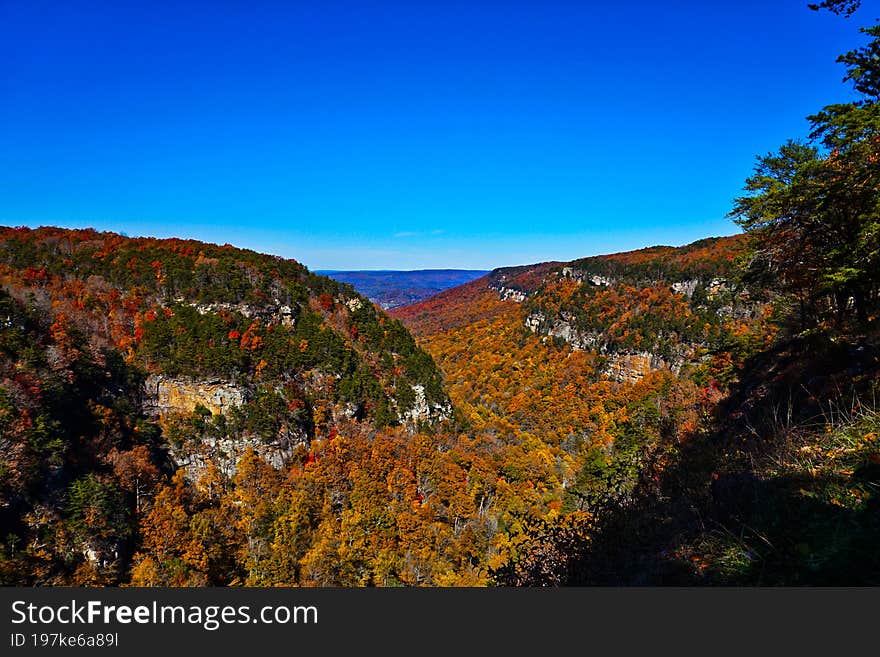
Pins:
x: 687, y: 288
x: 535, y: 321
x: 627, y: 367
x: 581, y: 276
x: 169, y: 396
x: 563, y: 328
x: 166, y: 395
x: 602, y: 281
x: 422, y: 411
x: 583, y: 340
x: 225, y: 453
x: 622, y: 366
x: 713, y: 287
x: 509, y: 293
x: 276, y: 313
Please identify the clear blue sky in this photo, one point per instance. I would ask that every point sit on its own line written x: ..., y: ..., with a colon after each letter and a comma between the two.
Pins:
x: 405, y: 135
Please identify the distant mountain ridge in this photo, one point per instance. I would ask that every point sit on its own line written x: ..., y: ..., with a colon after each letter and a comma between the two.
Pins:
x: 395, y: 288
x: 660, y: 306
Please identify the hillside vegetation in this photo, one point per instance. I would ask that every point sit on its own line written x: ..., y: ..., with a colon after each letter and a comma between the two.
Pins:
x: 597, y: 425
x: 101, y: 333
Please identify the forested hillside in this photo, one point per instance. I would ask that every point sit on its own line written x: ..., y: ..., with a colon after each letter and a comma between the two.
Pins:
x: 124, y: 360
x: 700, y: 436
x: 602, y: 365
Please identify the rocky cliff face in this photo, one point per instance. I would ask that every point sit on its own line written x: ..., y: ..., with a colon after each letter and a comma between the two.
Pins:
x: 632, y: 367
x: 170, y: 398
x: 423, y: 411
x: 166, y: 395
x: 622, y: 366
x: 582, y: 276
x: 274, y: 313
x: 167, y: 398
x: 225, y: 453
x: 510, y: 294
x: 653, y: 309
x: 626, y: 364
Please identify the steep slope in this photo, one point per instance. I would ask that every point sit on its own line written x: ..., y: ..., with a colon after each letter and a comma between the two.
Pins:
x: 782, y: 490
x: 600, y: 365
x: 177, y: 413
x: 199, y: 312
x: 704, y: 437
x: 76, y: 454
x: 655, y: 308
x: 305, y: 428
x: 663, y: 309
x: 125, y: 358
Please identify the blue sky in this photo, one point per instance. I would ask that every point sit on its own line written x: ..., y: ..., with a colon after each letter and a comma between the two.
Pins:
x: 405, y: 135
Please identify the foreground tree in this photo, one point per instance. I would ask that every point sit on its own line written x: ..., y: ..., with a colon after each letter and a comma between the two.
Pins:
x: 814, y: 209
